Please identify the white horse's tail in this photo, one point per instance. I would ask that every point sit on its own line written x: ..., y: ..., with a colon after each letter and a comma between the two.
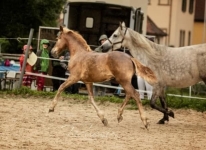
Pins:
x: 144, y: 72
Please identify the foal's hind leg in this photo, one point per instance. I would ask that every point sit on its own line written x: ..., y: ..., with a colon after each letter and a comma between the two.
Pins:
x: 100, y: 113
x: 144, y: 119
x: 131, y: 92
x: 67, y: 83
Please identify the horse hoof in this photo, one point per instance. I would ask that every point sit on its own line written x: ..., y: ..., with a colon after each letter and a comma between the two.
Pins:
x: 147, y: 125
x: 171, y: 114
x: 161, y: 122
x: 51, y: 110
x: 119, y: 119
x: 105, y: 122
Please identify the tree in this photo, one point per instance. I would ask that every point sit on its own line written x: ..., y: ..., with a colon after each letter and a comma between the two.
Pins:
x: 19, y: 16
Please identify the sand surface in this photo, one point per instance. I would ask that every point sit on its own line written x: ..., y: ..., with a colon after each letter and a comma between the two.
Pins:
x: 26, y: 124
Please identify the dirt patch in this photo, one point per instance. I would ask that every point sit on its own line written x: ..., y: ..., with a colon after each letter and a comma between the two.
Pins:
x: 26, y: 124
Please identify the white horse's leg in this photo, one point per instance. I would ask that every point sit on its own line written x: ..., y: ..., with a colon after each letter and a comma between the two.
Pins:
x: 67, y: 83
x: 100, y: 113
x: 158, y: 92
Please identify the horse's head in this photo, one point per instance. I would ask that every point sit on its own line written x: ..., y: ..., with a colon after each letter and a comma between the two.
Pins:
x: 61, y: 43
x: 117, y: 39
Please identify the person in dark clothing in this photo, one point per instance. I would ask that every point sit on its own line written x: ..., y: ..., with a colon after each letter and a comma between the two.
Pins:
x: 57, y: 71
x: 73, y: 89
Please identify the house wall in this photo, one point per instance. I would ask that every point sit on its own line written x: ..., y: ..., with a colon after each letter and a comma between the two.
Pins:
x: 171, y: 19
x: 198, y: 33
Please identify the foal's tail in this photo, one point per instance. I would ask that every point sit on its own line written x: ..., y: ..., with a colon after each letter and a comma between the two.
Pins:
x: 144, y: 72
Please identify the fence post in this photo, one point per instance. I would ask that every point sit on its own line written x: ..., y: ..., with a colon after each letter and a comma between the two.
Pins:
x: 26, y: 56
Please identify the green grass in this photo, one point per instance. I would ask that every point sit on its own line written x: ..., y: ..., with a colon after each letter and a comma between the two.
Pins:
x: 172, y: 102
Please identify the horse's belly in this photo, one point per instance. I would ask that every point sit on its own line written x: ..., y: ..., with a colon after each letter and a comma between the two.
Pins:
x: 182, y: 83
x: 96, y: 76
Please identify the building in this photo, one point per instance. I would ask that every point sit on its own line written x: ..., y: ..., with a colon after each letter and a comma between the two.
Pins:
x: 199, y: 29
x: 175, y: 18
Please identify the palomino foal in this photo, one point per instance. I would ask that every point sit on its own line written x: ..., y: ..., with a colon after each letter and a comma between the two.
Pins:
x: 88, y: 66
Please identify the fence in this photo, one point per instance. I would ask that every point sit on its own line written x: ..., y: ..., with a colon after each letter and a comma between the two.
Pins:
x: 196, y: 89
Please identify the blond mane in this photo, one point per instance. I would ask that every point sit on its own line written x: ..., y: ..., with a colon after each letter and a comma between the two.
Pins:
x: 79, y: 38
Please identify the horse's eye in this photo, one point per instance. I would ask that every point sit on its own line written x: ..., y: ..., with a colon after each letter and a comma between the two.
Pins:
x: 115, y: 35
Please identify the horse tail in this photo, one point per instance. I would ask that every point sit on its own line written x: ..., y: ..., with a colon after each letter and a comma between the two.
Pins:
x: 144, y: 72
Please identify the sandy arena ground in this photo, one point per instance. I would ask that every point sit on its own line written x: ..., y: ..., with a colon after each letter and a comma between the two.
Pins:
x: 26, y: 124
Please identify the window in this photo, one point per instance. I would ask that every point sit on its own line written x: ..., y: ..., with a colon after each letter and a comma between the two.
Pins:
x: 184, y: 5
x: 189, y: 37
x: 182, y: 38
x: 89, y: 22
x: 191, y: 6
x: 164, y: 2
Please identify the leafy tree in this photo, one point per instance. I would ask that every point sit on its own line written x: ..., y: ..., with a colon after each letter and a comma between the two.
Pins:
x: 17, y: 17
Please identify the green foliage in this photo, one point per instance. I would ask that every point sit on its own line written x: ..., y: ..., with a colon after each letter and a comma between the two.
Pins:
x: 173, y: 102
x: 19, y: 16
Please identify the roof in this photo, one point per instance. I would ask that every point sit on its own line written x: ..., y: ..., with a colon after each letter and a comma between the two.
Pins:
x: 153, y: 29
x: 199, y: 10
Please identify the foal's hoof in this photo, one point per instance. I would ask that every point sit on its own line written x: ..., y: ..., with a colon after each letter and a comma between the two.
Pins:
x: 161, y: 121
x: 51, y: 110
x: 171, y: 114
x: 105, y: 122
x: 119, y: 119
x: 146, y: 124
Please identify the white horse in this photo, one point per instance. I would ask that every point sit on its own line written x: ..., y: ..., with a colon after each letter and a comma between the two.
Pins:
x: 174, y: 67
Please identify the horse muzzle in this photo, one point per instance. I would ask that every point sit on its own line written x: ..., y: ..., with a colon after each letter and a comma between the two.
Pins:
x: 54, y: 53
x: 106, y: 46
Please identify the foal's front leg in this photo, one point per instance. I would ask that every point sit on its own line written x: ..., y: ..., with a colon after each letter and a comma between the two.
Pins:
x: 67, y: 83
x: 100, y: 113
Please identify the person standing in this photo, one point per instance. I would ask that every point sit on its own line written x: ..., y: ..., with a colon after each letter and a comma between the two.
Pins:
x: 102, y: 39
x: 42, y: 65
x: 27, y: 79
x: 57, y: 71
x: 74, y: 88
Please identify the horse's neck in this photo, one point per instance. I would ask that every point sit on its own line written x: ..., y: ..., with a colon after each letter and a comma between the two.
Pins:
x: 145, y: 51
x: 75, y: 48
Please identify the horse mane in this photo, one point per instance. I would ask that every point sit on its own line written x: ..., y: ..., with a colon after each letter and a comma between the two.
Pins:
x: 79, y: 38
x: 152, y: 50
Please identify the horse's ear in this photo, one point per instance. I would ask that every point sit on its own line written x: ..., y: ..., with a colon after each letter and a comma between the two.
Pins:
x: 61, y: 28
x: 123, y: 24
x: 120, y: 25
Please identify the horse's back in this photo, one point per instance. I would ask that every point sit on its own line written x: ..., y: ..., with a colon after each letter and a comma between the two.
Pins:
x: 97, y: 67
x: 120, y: 61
